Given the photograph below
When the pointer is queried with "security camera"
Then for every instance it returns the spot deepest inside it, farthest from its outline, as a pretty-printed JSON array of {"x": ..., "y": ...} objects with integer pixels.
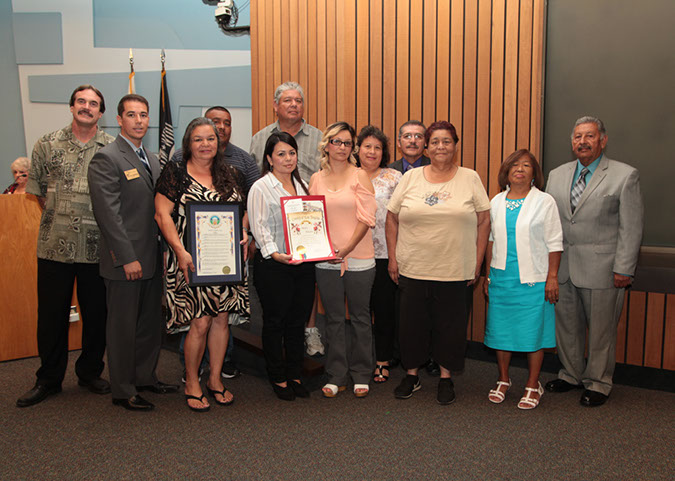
[{"x": 224, "y": 12}]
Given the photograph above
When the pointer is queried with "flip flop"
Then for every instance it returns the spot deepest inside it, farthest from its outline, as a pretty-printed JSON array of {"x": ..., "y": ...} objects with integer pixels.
[{"x": 201, "y": 399}]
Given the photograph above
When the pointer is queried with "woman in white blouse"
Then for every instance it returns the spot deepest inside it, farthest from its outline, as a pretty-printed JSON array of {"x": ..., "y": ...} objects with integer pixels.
[
  {"x": 523, "y": 254},
  {"x": 373, "y": 157},
  {"x": 285, "y": 287}
]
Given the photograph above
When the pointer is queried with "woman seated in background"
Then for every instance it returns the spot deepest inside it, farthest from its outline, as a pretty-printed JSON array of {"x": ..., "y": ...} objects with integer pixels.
[
  {"x": 203, "y": 175},
  {"x": 20, "y": 168},
  {"x": 373, "y": 157},
  {"x": 522, "y": 286},
  {"x": 285, "y": 286},
  {"x": 437, "y": 230},
  {"x": 350, "y": 212}
]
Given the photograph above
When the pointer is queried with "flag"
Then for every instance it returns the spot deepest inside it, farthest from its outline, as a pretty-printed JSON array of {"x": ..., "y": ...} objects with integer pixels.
[
  {"x": 132, "y": 86},
  {"x": 165, "y": 126}
]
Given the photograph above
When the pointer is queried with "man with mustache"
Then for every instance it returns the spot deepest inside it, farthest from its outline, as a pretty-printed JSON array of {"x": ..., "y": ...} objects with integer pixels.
[
  {"x": 411, "y": 144},
  {"x": 289, "y": 106},
  {"x": 601, "y": 212},
  {"x": 67, "y": 249}
]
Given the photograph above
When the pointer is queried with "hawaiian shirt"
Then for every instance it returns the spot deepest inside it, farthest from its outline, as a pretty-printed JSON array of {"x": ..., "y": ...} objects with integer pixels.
[{"x": 58, "y": 172}]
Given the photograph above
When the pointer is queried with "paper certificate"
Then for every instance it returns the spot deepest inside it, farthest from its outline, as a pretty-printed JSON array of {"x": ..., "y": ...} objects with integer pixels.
[
  {"x": 213, "y": 235},
  {"x": 305, "y": 228},
  {"x": 215, "y": 246}
]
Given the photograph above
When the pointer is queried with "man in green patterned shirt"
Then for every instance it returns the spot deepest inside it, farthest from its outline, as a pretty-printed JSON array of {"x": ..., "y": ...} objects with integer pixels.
[{"x": 67, "y": 249}]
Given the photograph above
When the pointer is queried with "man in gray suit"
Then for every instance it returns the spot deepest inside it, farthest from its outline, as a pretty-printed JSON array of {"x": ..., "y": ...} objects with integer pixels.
[
  {"x": 411, "y": 144},
  {"x": 601, "y": 213},
  {"x": 122, "y": 177}
]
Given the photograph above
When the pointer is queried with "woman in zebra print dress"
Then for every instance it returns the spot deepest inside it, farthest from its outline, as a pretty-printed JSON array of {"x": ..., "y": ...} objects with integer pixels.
[{"x": 203, "y": 175}]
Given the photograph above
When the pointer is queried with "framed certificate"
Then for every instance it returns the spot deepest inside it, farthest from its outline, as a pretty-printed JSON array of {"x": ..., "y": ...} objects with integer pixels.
[
  {"x": 305, "y": 228},
  {"x": 213, "y": 235}
]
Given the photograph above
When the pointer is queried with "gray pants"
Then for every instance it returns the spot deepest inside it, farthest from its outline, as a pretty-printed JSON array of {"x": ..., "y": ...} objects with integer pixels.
[
  {"x": 597, "y": 310},
  {"x": 359, "y": 361}
]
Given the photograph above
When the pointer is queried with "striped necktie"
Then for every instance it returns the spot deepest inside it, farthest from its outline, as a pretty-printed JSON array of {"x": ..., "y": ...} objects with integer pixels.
[
  {"x": 144, "y": 159},
  {"x": 578, "y": 188}
]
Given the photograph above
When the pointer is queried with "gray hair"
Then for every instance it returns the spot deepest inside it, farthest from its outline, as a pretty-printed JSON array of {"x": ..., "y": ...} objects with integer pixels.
[
  {"x": 410, "y": 122},
  {"x": 288, "y": 86},
  {"x": 587, "y": 119},
  {"x": 21, "y": 163}
]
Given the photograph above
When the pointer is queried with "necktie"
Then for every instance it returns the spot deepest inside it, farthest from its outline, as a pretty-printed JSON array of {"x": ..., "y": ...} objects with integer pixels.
[
  {"x": 144, "y": 159},
  {"x": 578, "y": 188}
]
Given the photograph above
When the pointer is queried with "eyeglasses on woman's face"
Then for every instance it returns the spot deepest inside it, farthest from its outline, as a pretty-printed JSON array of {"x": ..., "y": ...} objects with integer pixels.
[{"x": 338, "y": 143}]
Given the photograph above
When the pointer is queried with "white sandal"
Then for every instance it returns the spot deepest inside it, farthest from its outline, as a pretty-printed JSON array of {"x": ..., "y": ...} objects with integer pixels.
[
  {"x": 331, "y": 390},
  {"x": 496, "y": 392},
  {"x": 362, "y": 389},
  {"x": 526, "y": 402}
]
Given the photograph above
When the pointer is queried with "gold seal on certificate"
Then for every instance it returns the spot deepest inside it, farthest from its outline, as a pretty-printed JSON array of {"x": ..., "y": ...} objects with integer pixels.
[
  {"x": 305, "y": 228},
  {"x": 214, "y": 235}
]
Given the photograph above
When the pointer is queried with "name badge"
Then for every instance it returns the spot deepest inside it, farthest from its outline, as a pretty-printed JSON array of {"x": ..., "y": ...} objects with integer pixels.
[{"x": 132, "y": 174}]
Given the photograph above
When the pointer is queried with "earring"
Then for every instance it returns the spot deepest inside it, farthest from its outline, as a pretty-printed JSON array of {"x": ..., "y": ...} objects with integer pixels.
[{"x": 271, "y": 167}]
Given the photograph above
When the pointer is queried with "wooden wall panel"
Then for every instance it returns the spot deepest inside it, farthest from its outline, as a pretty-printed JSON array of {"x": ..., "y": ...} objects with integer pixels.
[{"x": 476, "y": 63}]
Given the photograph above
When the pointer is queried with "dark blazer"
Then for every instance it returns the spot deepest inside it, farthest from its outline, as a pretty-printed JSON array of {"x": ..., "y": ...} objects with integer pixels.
[
  {"x": 398, "y": 165},
  {"x": 603, "y": 235},
  {"x": 123, "y": 201}
]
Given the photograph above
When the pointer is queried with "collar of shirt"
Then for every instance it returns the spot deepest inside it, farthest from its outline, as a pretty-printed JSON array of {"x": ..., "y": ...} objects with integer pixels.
[
  {"x": 407, "y": 165},
  {"x": 591, "y": 169},
  {"x": 302, "y": 127},
  {"x": 136, "y": 149},
  {"x": 276, "y": 184}
]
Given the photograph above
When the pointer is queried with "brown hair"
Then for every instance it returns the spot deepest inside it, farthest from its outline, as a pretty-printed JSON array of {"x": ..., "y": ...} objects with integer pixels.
[
  {"x": 503, "y": 177},
  {"x": 93, "y": 89}
]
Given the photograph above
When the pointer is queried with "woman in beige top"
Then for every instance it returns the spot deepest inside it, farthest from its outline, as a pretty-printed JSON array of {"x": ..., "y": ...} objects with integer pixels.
[{"x": 437, "y": 231}]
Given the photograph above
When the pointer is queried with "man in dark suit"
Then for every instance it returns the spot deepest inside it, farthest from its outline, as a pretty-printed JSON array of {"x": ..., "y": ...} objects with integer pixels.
[
  {"x": 601, "y": 213},
  {"x": 122, "y": 177},
  {"x": 411, "y": 144}
]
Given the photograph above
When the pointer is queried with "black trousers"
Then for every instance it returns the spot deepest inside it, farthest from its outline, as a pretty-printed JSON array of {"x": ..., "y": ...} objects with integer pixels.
[
  {"x": 384, "y": 304},
  {"x": 433, "y": 313},
  {"x": 286, "y": 294},
  {"x": 55, "y": 291}
]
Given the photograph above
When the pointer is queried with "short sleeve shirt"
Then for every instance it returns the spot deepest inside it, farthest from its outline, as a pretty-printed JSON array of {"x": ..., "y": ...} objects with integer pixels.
[
  {"x": 68, "y": 230},
  {"x": 384, "y": 185},
  {"x": 437, "y": 225}
]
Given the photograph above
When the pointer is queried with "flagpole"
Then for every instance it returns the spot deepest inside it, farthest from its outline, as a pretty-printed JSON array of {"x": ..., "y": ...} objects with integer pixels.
[{"x": 131, "y": 72}]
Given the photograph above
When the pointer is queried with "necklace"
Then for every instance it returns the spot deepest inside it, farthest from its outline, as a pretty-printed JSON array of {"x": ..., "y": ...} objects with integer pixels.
[{"x": 514, "y": 204}]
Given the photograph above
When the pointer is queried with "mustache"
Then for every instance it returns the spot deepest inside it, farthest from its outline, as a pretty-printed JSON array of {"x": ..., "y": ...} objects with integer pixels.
[
  {"x": 583, "y": 146},
  {"x": 85, "y": 111}
]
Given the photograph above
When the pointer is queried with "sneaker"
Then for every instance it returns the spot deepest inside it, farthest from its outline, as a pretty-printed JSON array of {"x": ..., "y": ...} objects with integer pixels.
[
  {"x": 408, "y": 386},
  {"x": 229, "y": 370},
  {"x": 446, "y": 391},
  {"x": 201, "y": 371},
  {"x": 313, "y": 341}
]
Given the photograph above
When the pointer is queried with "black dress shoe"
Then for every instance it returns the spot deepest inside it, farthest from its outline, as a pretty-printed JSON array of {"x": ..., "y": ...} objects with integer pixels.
[
  {"x": 283, "y": 393},
  {"x": 159, "y": 388},
  {"x": 592, "y": 399},
  {"x": 299, "y": 389},
  {"x": 559, "y": 385},
  {"x": 36, "y": 395},
  {"x": 96, "y": 385},
  {"x": 135, "y": 403}
]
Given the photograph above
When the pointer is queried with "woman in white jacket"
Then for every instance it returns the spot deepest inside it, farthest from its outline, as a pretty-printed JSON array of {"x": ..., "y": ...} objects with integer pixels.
[{"x": 522, "y": 287}]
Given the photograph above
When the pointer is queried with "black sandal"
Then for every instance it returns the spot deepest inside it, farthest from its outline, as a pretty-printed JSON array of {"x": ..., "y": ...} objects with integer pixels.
[
  {"x": 378, "y": 376},
  {"x": 213, "y": 392},
  {"x": 201, "y": 399}
]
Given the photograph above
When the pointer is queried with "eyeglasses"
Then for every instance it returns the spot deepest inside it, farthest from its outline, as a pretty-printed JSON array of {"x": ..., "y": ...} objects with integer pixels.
[
  {"x": 338, "y": 143},
  {"x": 412, "y": 136}
]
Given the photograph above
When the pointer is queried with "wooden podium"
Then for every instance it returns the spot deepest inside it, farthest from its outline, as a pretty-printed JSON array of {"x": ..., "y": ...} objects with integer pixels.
[{"x": 19, "y": 224}]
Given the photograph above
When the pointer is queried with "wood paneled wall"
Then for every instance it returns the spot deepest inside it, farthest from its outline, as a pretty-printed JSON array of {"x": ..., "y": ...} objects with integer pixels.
[{"x": 476, "y": 63}]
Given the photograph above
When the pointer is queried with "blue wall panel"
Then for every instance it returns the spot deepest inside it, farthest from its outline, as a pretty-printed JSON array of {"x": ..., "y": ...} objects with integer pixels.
[
  {"x": 189, "y": 91},
  {"x": 175, "y": 24},
  {"x": 38, "y": 38}
]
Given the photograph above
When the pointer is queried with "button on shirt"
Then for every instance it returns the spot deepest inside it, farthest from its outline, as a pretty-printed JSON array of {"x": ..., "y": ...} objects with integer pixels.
[
  {"x": 58, "y": 172},
  {"x": 264, "y": 214}
]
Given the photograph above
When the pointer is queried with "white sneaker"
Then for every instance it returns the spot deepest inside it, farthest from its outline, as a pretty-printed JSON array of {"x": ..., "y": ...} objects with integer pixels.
[{"x": 313, "y": 341}]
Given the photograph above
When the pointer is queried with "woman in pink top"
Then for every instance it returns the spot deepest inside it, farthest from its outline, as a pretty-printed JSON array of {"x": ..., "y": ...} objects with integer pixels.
[{"x": 350, "y": 212}]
